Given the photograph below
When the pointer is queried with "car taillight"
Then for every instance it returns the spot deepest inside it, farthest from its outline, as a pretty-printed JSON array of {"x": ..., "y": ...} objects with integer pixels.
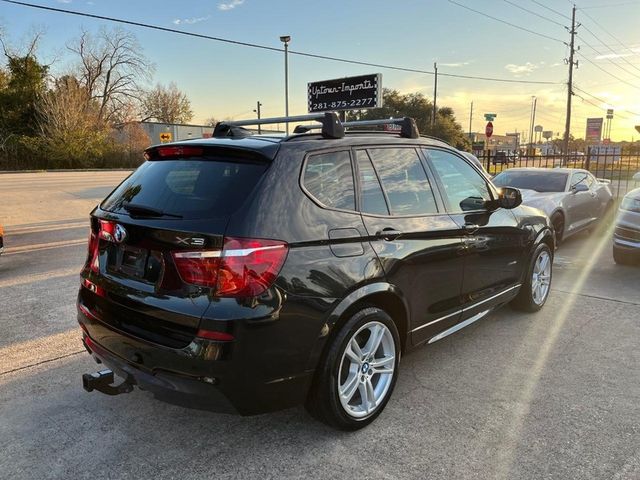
[
  {"x": 179, "y": 151},
  {"x": 93, "y": 252},
  {"x": 243, "y": 268}
]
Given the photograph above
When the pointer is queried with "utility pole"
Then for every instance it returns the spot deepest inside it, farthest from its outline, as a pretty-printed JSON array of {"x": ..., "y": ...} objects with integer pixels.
[
  {"x": 435, "y": 93},
  {"x": 571, "y": 63},
  {"x": 533, "y": 121},
  {"x": 257, "y": 110},
  {"x": 286, "y": 39},
  {"x": 470, "y": 120}
]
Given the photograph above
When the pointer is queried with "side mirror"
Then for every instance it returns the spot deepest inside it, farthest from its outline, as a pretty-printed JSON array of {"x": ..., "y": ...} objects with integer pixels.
[
  {"x": 579, "y": 187},
  {"x": 636, "y": 177},
  {"x": 509, "y": 198}
]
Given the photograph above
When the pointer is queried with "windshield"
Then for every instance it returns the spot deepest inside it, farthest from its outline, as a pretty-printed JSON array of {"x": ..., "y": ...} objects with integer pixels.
[
  {"x": 538, "y": 181},
  {"x": 189, "y": 189}
]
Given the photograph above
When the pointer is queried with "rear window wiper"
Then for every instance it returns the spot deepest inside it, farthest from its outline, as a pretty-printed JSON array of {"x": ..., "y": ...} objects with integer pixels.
[{"x": 144, "y": 211}]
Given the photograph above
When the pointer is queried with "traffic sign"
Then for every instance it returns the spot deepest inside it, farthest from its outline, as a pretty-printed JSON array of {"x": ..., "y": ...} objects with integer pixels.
[
  {"x": 166, "y": 137},
  {"x": 490, "y": 117},
  {"x": 488, "y": 131},
  {"x": 638, "y": 128}
]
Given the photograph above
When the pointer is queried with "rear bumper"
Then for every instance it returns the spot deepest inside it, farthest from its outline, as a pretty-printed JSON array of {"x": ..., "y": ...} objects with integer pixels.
[{"x": 223, "y": 377}]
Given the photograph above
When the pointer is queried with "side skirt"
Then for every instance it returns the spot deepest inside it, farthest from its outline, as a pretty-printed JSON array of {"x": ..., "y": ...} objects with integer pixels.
[{"x": 459, "y": 326}]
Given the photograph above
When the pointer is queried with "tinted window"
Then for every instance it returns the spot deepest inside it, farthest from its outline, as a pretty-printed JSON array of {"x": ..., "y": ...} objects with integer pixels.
[
  {"x": 194, "y": 188},
  {"x": 464, "y": 187},
  {"x": 582, "y": 177},
  {"x": 371, "y": 198},
  {"x": 404, "y": 181},
  {"x": 541, "y": 181},
  {"x": 329, "y": 178}
]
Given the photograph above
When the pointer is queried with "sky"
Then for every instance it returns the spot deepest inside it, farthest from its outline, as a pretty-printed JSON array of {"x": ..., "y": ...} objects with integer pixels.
[{"x": 225, "y": 81}]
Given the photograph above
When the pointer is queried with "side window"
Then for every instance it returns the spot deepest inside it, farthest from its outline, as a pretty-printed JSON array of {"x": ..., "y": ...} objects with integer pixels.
[
  {"x": 464, "y": 187},
  {"x": 329, "y": 178},
  {"x": 404, "y": 181},
  {"x": 579, "y": 177},
  {"x": 371, "y": 198}
]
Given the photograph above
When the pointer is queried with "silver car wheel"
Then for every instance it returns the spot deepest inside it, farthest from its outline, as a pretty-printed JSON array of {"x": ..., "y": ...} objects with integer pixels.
[
  {"x": 366, "y": 369},
  {"x": 541, "y": 278}
]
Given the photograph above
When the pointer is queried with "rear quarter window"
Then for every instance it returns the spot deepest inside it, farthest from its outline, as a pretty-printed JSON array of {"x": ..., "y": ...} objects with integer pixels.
[
  {"x": 328, "y": 177},
  {"x": 191, "y": 188}
]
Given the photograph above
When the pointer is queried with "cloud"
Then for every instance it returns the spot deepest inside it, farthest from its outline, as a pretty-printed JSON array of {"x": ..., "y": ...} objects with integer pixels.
[
  {"x": 65, "y": 1},
  {"x": 230, "y": 5},
  {"x": 613, "y": 55},
  {"x": 521, "y": 69},
  {"x": 190, "y": 21},
  {"x": 453, "y": 65}
]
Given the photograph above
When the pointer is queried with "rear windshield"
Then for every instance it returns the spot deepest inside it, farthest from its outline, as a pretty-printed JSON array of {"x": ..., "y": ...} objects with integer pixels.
[
  {"x": 194, "y": 188},
  {"x": 538, "y": 181}
]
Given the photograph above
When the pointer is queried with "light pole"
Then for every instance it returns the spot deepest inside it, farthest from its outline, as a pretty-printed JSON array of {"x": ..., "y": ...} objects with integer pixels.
[
  {"x": 286, "y": 39},
  {"x": 257, "y": 110}
]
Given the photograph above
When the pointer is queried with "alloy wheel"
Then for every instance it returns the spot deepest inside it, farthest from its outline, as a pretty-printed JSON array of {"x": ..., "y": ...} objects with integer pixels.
[
  {"x": 541, "y": 278},
  {"x": 366, "y": 369}
]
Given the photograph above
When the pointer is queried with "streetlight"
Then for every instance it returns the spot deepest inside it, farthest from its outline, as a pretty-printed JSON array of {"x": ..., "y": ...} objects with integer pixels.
[
  {"x": 257, "y": 110},
  {"x": 286, "y": 39}
]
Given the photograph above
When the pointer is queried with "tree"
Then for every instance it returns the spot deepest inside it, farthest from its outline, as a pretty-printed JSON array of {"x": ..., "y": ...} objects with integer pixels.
[
  {"x": 166, "y": 104},
  {"x": 70, "y": 125},
  {"x": 417, "y": 106},
  {"x": 24, "y": 83},
  {"x": 111, "y": 69}
]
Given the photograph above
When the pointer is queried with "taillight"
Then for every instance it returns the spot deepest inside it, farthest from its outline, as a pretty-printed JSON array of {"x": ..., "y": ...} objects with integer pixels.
[
  {"x": 93, "y": 255},
  {"x": 243, "y": 268}
]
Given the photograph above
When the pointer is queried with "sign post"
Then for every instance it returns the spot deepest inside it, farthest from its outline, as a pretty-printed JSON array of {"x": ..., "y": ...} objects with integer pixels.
[{"x": 349, "y": 93}]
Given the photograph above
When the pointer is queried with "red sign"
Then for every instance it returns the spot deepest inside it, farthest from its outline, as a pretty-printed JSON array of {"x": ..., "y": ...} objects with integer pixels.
[{"x": 488, "y": 131}]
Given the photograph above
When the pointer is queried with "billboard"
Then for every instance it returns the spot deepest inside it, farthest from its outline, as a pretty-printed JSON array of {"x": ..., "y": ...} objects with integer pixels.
[
  {"x": 349, "y": 93},
  {"x": 594, "y": 130}
]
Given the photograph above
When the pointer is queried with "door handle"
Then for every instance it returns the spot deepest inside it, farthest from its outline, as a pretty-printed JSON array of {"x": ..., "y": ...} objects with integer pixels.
[
  {"x": 471, "y": 227},
  {"x": 388, "y": 233}
]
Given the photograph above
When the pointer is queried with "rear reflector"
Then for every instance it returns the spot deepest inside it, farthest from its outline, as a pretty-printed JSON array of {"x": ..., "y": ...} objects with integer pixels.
[
  {"x": 243, "y": 268},
  {"x": 211, "y": 335}
]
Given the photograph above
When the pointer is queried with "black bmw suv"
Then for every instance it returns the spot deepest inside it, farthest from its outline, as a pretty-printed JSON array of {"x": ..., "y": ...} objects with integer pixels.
[{"x": 248, "y": 273}]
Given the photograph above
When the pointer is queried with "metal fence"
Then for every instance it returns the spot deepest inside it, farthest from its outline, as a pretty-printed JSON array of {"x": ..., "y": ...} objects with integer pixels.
[{"x": 619, "y": 169}]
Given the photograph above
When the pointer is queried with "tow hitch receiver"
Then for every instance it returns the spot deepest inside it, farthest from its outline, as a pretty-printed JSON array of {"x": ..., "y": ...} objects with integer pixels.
[{"x": 102, "y": 381}]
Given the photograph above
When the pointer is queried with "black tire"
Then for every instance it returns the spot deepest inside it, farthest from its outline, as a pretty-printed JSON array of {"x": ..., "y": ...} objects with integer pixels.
[
  {"x": 525, "y": 300},
  {"x": 323, "y": 402},
  {"x": 557, "y": 222},
  {"x": 623, "y": 257}
]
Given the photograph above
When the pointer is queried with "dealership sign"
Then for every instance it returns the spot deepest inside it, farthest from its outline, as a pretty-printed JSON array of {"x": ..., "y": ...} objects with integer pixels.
[
  {"x": 594, "y": 130},
  {"x": 350, "y": 93}
]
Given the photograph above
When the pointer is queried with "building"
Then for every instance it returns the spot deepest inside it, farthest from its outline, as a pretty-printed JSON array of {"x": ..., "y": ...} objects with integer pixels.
[
  {"x": 497, "y": 142},
  {"x": 172, "y": 132}
]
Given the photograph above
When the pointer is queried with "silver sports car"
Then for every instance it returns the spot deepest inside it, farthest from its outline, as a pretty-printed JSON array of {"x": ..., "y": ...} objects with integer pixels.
[
  {"x": 572, "y": 198},
  {"x": 626, "y": 236}
]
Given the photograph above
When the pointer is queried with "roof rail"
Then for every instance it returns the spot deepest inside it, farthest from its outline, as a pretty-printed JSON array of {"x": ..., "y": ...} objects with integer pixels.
[
  {"x": 408, "y": 129},
  {"x": 329, "y": 123}
]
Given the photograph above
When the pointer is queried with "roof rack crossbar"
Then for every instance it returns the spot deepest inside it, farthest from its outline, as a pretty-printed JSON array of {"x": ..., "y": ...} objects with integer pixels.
[
  {"x": 329, "y": 122},
  {"x": 408, "y": 129}
]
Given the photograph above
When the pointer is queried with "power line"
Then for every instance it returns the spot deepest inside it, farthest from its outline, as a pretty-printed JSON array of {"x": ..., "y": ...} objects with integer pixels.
[
  {"x": 502, "y": 21},
  {"x": 551, "y": 9},
  {"x": 607, "y": 5},
  {"x": 613, "y": 63},
  {"x": 612, "y": 36},
  {"x": 532, "y": 12},
  {"x": 606, "y": 71},
  {"x": 273, "y": 49},
  {"x": 604, "y": 101}
]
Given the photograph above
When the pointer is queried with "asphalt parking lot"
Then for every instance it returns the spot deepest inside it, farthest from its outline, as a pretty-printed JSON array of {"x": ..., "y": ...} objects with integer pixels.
[{"x": 550, "y": 395}]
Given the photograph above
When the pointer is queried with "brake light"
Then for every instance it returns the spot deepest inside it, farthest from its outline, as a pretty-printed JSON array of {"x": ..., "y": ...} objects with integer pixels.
[
  {"x": 179, "y": 151},
  {"x": 93, "y": 255},
  {"x": 243, "y": 268}
]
